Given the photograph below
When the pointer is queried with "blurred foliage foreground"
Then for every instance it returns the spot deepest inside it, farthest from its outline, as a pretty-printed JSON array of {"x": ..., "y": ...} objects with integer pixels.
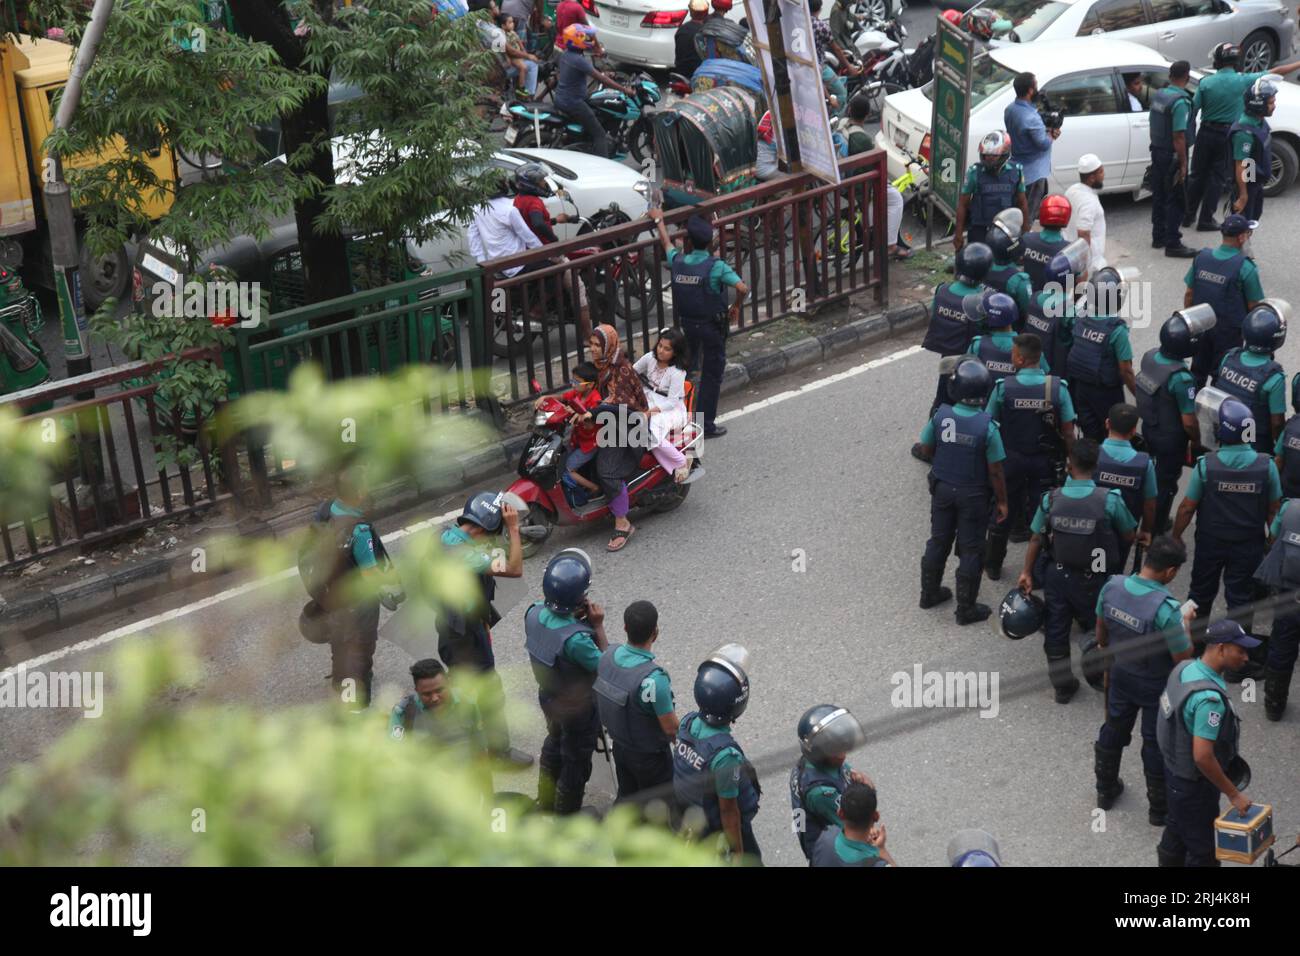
[{"x": 166, "y": 776}]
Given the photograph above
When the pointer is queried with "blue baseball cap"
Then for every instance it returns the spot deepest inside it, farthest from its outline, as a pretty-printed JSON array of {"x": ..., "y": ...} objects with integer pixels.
[
  {"x": 699, "y": 229},
  {"x": 1236, "y": 224},
  {"x": 1229, "y": 632}
]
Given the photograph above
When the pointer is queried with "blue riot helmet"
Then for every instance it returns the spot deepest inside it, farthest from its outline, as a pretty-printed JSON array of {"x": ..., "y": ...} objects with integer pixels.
[
  {"x": 1003, "y": 235},
  {"x": 829, "y": 731},
  {"x": 1020, "y": 614},
  {"x": 1000, "y": 311},
  {"x": 973, "y": 262},
  {"x": 722, "y": 685},
  {"x": 1180, "y": 336},
  {"x": 484, "y": 510},
  {"x": 1264, "y": 328},
  {"x": 970, "y": 382},
  {"x": 1235, "y": 420},
  {"x": 1093, "y": 663},
  {"x": 1257, "y": 95},
  {"x": 1068, "y": 265},
  {"x": 1105, "y": 291},
  {"x": 565, "y": 580},
  {"x": 973, "y": 848}
]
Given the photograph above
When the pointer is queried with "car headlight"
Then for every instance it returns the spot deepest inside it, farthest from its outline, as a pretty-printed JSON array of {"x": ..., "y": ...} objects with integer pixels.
[{"x": 642, "y": 188}]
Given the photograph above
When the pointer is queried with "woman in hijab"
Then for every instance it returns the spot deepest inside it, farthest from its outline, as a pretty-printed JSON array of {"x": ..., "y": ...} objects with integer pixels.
[{"x": 621, "y": 395}]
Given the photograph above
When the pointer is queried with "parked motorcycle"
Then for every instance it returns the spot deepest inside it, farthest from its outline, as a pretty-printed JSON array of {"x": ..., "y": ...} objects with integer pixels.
[
  {"x": 552, "y": 501},
  {"x": 22, "y": 362},
  {"x": 625, "y": 119}
]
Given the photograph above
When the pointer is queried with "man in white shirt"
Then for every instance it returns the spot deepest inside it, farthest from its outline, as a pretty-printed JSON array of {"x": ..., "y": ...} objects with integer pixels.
[
  {"x": 498, "y": 230},
  {"x": 1088, "y": 218}
]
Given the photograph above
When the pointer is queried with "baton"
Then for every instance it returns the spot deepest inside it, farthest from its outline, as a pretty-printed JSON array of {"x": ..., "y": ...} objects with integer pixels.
[
  {"x": 1137, "y": 559},
  {"x": 608, "y": 759}
]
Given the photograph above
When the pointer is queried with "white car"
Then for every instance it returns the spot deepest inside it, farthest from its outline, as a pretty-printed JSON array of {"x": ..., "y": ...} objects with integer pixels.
[
  {"x": 643, "y": 32},
  {"x": 1085, "y": 78}
]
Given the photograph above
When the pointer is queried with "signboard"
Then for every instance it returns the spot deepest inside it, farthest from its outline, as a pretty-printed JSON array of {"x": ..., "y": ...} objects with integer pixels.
[
  {"x": 812, "y": 123},
  {"x": 950, "y": 119},
  {"x": 758, "y": 34}
]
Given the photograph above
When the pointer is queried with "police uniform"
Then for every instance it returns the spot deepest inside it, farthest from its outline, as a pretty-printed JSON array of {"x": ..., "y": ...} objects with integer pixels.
[
  {"x": 1121, "y": 466},
  {"x": 1250, "y": 139},
  {"x": 632, "y": 691},
  {"x": 950, "y": 331},
  {"x": 814, "y": 800},
  {"x": 1233, "y": 488},
  {"x": 1287, "y": 449},
  {"x": 1195, "y": 703},
  {"x": 1226, "y": 279},
  {"x": 1009, "y": 278},
  {"x": 1218, "y": 99},
  {"x": 833, "y": 848},
  {"x": 708, "y": 763},
  {"x": 700, "y": 304},
  {"x": 564, "y": 658},
  {"x": 1165, "y": 392},
  {"x": 1028, "y": 408},
  {"x": 454, "y": 723},
  {"x": 990, "y": 193},
  {"x": 352, "y": 647},
  {"x": 1171, "y": 112},
  {"x": 994, "y": 350},
  {"x": 1281, "y": 570},
  {"x": 1097, "y": 346},
  {"x": 1134, "y": 609},
  {"x": 1257, "y": 381},
  {"x": 1036, "y": 250},
  {"x": 1083, "y": 523}
]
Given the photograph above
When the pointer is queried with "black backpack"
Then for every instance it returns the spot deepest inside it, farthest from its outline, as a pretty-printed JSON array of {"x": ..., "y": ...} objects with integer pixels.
[{"x": 326, "y": 552}]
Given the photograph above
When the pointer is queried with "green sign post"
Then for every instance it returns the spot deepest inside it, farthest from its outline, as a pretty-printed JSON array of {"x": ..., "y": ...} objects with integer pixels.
[{"x": 950, "y": 120}]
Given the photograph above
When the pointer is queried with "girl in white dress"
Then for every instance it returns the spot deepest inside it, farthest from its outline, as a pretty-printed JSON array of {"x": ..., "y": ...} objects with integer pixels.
[{"x": 663, "y": 372}]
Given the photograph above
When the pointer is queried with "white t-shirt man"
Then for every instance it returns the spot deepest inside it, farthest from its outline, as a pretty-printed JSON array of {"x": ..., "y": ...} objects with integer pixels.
[{"x": 1087, "y": 214}]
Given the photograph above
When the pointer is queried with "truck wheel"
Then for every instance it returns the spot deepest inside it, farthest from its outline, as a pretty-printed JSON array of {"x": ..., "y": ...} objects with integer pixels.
[{"x": 103, "y": 276}]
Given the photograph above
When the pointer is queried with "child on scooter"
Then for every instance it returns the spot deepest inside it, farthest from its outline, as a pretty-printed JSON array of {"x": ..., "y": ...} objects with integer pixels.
[{"x": 582, "y": 398}]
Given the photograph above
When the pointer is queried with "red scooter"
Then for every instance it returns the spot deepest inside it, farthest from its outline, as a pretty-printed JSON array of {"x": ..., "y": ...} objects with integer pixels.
[{"x": 550, "y": 503}]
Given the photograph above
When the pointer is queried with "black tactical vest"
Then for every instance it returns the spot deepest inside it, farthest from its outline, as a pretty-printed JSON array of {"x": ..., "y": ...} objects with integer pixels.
[
  {"x": 1162, "y": 422},
  {"x": 1081, "y": 532},
  {"x": 1234, "y": 501},
  {"x": 618, "y": 691}
]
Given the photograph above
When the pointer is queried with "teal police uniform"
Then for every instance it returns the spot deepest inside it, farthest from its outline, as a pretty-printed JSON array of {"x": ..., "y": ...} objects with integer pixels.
[{"x": 1219, "y": 101}]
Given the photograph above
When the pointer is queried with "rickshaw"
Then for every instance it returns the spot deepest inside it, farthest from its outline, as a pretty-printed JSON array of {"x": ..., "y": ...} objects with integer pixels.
[{"x": 707, "y": 144}]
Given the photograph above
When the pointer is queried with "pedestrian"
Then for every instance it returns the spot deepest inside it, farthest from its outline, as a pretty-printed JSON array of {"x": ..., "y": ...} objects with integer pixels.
[
  {"x": 714, "y": 782},
  {"x": 686, "y": 60},
  {"x": 1281, "y": 570},
  {"x": 1035, "y": 416},
  {"x": 1099, "y": 366},
  {"x": 1051, "y": 312},
  {"x": 1088, "y": 219},
  {"x": 1199, "y": 732},
  {"x": 1120, "y": 465},
  {"x": 995, "y": 183},
  {"x": 1254, "y": 377},
  {"x": 1219, "y": 101},
  {"x": 1082, "y": 525},
  {"x": 1003, "y": 237},
  {"x": 1233, "y": 493},
  {"x": 859, "y": 840},
  {"x": 999, "y": 316},
  {"x": 1131, "y": 611},
  {"x": 564, "y": 635},
  {"x": 1166, "y": 402},
  {"x": 952, "y": 328},
  {"x": 1037, "y": 249},
  {"x": 465, "y": 630},
  {"x": 700, "y": 305},
  {"x": 623, "y": 431},
  {"x": 1228, "y": 281},
  {"x": 1287, "y": 449},
  {"x": 1173, "y": 129},
  {"x": 827, "y": 734},
  {"x": 1031, "y": 141},
  {"x": 1249, "y": 145},
  {"x": 635, "y": 699},
  {"x": 966, "y": 448}
]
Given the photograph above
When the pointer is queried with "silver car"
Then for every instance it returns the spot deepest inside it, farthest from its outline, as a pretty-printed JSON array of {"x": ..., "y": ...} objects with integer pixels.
[{"x": 1178, "y": 29}]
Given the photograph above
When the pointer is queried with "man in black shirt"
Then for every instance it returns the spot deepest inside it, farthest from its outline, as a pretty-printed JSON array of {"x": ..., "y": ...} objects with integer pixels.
[{"x": 688, "y": 61}]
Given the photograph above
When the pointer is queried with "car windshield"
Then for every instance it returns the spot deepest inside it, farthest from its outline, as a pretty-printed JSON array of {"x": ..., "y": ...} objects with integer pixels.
[
  {"x": 1029, "y": 17},
  {"x": 988, "y": 77}
]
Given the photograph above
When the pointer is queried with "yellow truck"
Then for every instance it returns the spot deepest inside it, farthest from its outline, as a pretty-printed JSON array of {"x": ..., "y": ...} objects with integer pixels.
[{"x": 32, "y": 71}]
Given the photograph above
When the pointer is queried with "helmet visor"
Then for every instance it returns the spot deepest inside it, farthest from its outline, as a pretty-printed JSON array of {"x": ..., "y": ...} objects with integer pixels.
[
  {"x": 735, "y": 658},
  {"x": 1198, "y": 318},
  {"x": 1281, "y": 307},
  {"x": 839, "y": 732},
  {"x": 1011, "y": 221}
]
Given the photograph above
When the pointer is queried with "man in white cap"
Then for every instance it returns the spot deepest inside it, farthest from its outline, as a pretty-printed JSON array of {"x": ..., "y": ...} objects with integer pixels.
[{"x": 1088, "y": 218}]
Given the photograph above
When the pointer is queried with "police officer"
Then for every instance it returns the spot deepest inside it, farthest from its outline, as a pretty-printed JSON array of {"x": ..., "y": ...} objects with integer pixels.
[
  {"x": 436, "y": 711},
  {"x": 1198, "y": 732},
  {"x": 995, "y": 183},
  {"x": 1051, "y": 308},
  {"x": 1281, "y": 571},
  {"x": 1100, "y": 364},
  {"x": 1037, "y": 249},
  {"x": 1227, "y": 280},
  {"x": 635, "y": 700},
  {"x": 712, "y": 778},
  {"x": 1253, "y": 377},
  {"x": 1252, "y": 154},
  {"x": 1120, "y": 465},
  {"x": 1166, "y": 402},
  {"x": 565, "y": 636},
  {"x": 967, "y": 453},
  {"x": 1287, "y": 448},
  {"x": 1173, "y": 130},
  {"x": 1083, "y": 526},
  {"x": 859, "y": 840},
  {"x": 1035, "y": 418},
  {"x": 1219, "y": 101},
  {"x": 465, "y": 633},
  {"x": 951, "y": 327},
  {"x": 1131, "y": 612},
  {"x": 1003, "y": 237},
  {"x": 827, "y": 734},
  {"x": 998, "y": 314},
  {"x": 1233, "y": 493},
  {"x": 700, "y": 305}
]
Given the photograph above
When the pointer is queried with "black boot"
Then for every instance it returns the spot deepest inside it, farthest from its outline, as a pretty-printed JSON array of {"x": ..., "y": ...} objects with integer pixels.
[
  {"x": 567, "y": 801},
  {"x": 1157, "y": 801},
  {"x": 933, "y": 593},
  {"x": 1062, "y": 677},
  {"x": 969, "y": 611},
  {"x": 994, "y": 554},
  {"x": 1277, "y": 687},
  {"x": 1106, "y": 767},
  {"x": 1165, "y": 858},
  {"x": 545, "y": 792}
]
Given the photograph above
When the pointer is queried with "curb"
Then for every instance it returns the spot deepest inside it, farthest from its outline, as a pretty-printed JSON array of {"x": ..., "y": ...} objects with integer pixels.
[{"x": 114, "y": 589}]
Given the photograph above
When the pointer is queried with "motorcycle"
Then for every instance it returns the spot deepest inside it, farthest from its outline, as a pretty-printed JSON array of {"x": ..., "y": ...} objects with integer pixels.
[
  {"x": 23, "y": 363},
  {"x": 553, "y": 502},
  {"x": 625, "y": 119}
]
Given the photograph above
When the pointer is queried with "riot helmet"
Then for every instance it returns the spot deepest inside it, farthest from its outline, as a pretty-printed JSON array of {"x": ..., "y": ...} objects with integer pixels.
[
  {"x": 722, "y": 685},
  {"x": 1003, "y": 235},
  {"x": 565, "y": 580},
  {"x": 484, "y": 510},
  {"x": 1180, "y": 336},
  {"x": 1020, "y": 614},
  {"x": 973, "y": 262},
  {"x": 827, "y": 731},
  {"x": 1264, "y": 328},
  {"x": 1236, "y": 423},
  {"x": 970, "y": 381}
]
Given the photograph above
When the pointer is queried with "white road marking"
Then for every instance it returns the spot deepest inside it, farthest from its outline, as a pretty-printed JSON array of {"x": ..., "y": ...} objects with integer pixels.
[{"x": 175, "y": 613}]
